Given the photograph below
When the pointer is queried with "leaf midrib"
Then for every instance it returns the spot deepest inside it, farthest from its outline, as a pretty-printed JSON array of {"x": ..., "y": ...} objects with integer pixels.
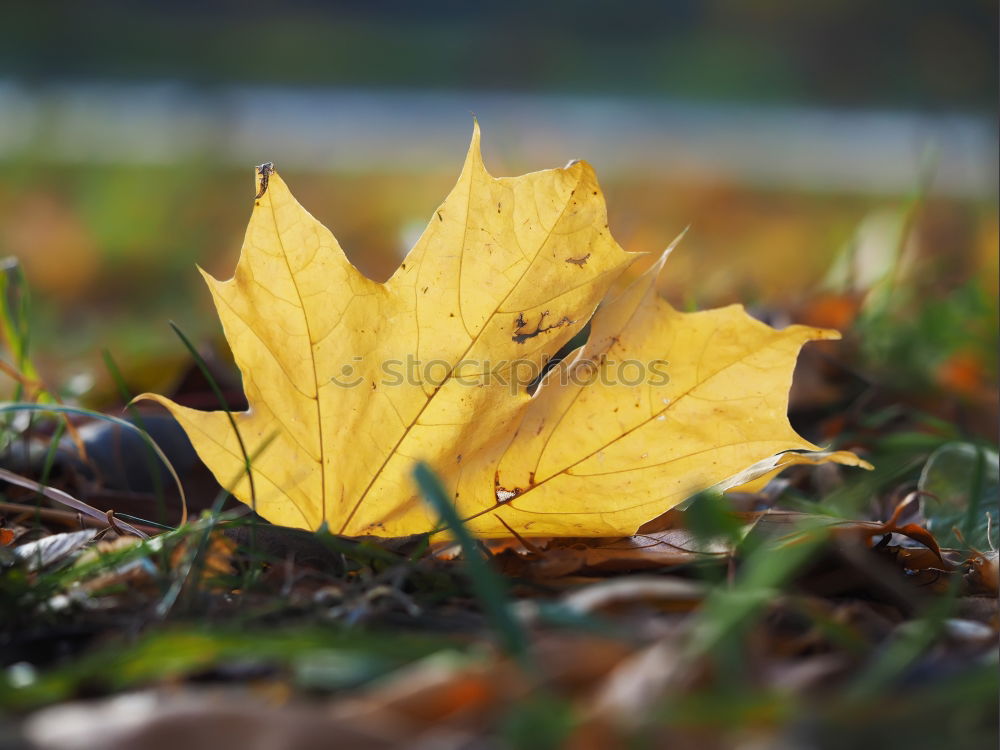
[
  {"x": 408, "y": 428},
  {"x": 312, "y": 362}
]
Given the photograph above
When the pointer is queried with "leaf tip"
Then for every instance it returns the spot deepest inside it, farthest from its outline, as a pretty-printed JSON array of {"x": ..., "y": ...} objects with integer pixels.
[
  {"x": 826, "y": 334},
  {"x": 214, "y": 285},
  {"x": 475, "y": 145},
  {"x": 811, "y": 333},
  {"x": 161, "y": 400},
  {"x": 676, "y": 241}
]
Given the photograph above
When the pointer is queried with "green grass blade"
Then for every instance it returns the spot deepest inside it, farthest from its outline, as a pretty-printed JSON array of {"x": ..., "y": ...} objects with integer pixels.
[
  {"x": 200, "y": 361},
  {"x": 194, "y": 564},
  {"x": 9, "y": 407},
  {"x": 487, "y": 584}
]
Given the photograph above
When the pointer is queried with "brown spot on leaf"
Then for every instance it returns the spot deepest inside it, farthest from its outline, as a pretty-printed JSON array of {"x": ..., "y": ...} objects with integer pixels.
[{"x": 521, "y": 336}]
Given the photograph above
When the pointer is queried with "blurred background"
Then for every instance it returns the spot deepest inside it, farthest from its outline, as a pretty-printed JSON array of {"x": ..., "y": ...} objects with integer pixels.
[{"x": 836, "y": 160}]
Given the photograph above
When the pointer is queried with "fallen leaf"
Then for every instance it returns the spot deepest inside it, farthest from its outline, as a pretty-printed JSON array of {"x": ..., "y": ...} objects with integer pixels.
[
  {"x": 983, "y": 576},
  {"x": 200, "y": 718},
  {"x": 787, "y": 526},
  {"x": 679, "y": 592},
  {"x": 969, "y": 632},
  {"x": 102, "y": 548},
  {"x": 588, "y": 555},
  {"x": 216, "y": 557},
  {"x": 637, "y": 684},
  {"x": 136, "y": 574},
  {"x": 350, "y": 381},
  {"x": 441, "y": 688},
  {"x": 51, "y": 549}
]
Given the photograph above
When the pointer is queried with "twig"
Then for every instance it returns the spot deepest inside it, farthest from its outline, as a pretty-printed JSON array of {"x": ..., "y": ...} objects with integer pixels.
[{"x": 67, "y": 518}]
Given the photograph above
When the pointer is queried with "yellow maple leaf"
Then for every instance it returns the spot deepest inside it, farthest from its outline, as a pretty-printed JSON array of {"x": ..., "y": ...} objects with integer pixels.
[{"x": 350, "y": 381}]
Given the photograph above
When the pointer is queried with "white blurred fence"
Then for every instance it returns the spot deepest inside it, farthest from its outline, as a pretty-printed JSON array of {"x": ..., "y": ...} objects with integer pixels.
[{"x": 322, "y": 129}]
